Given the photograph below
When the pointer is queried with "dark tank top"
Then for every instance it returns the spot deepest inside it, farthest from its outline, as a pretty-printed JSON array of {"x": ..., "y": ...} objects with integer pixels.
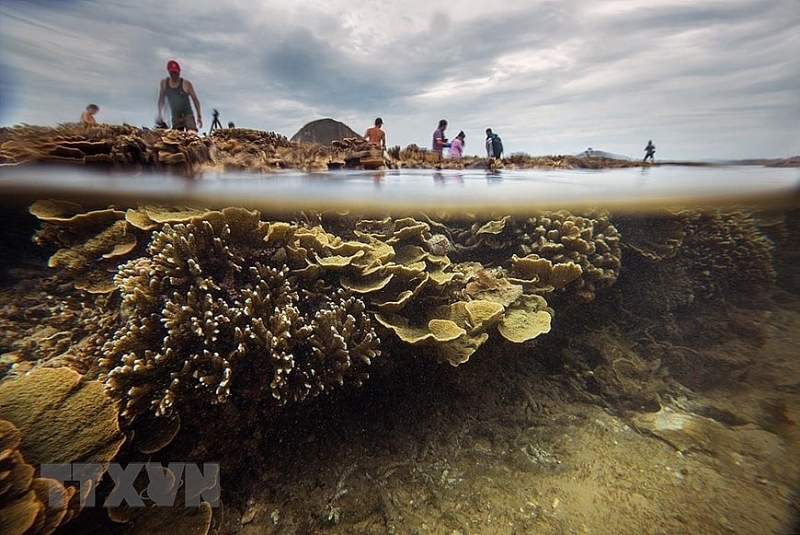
[{"x": 178, "y": 99}]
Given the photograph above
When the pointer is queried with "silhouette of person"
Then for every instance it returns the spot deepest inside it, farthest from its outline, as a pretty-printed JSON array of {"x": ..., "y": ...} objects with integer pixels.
[{"x": 649, "y": 151}]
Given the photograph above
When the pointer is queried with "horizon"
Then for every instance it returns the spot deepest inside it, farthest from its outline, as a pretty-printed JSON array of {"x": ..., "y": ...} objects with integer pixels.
[{"x": 708, "y": 81}]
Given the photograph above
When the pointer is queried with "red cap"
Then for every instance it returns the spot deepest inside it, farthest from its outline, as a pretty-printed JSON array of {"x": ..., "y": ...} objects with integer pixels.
[{"x": 173, "y": 66}]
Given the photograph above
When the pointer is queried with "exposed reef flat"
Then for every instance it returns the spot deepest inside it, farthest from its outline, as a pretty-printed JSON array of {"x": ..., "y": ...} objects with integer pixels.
[{"x": 243, "y": 149}]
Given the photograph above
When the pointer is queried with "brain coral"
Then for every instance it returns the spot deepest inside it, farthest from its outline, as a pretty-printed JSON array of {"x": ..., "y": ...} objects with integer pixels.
[{"x": 216, "y": 303}]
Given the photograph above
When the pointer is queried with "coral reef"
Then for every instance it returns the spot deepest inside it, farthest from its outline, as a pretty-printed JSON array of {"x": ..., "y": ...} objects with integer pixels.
[
  {"x": 28, "y": 505},
  {"x": 685, "y": 256},
  {"x": 89, "y": 243},
  {"x": 221, "y": 303},
  {"x": 62, "y": 417},
  {"x": 590, "y": 242},
  {"x": 220, "y": 297},
  {"x": 240, "y": 149},
  {"x": 51, "y": 416},
  {"x": 215, "y": 305},
  {"x": 217, "y": 314},
  {"x": 73, "y": 143},
  {"x": 130, "y": 147},
  {"x": 224, "y": 303},
  {"x": 46, "y": 321},
  {"x": 725, "y": 251},
  {"x": 357, "y": 152}
]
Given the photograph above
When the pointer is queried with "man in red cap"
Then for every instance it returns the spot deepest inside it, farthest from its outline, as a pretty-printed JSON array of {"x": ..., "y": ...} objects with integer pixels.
[{"x": 177, "y": 91}]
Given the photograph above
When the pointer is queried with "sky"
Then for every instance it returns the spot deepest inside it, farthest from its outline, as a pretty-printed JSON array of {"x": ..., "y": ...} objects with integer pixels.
[{"x": 702, "y": 79}]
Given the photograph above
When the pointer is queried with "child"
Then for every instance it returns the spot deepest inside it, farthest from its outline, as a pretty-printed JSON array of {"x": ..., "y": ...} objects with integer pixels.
[
  {"x": 87, "y": 117},
  {"x": 457, "y": 146}
]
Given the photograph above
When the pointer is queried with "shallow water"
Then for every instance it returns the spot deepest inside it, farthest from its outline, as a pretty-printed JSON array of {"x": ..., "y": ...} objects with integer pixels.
[
  {"x": 567, "y": 433},
  {"x": 629, "y": 189}
]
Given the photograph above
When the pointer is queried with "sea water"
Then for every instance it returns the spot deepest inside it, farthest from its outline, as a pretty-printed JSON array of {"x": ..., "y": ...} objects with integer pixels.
[
  {"x": 530, "y": 440},
  {"x": 628, "y": 189}
]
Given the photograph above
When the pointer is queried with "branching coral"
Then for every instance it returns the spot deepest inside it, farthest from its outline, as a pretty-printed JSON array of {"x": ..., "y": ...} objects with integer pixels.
[
  {"x": 725, "y": 252},
  {"x": 696, "y": 255},
  {"x": 216, "y": 306}
]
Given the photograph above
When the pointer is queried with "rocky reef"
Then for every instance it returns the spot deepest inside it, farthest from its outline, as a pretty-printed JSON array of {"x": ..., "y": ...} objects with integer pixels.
[{"x": 239, "y": 149}]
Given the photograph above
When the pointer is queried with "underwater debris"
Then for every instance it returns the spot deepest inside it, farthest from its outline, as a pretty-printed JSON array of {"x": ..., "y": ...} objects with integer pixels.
[{"x": 685, "y": 431}]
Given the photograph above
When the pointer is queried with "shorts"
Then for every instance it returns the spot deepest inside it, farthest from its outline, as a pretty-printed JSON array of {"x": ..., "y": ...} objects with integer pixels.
[{"x": 184, "y": 122}]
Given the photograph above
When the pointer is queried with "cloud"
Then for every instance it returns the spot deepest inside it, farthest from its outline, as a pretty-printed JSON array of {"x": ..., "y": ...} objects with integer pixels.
[{"x": 704, "y": 80}]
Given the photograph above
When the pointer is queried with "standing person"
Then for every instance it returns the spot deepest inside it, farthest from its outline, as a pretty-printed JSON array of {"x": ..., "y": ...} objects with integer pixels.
[
  {"x": 494, "y": 145},
  {"x": 87, "y": 117},
  {"x": 649, "y": 152},
  {"x": 439, "y": 141},
  {"x": 177, "y": 92},
  {"x": 457, "y": 146},
  {"x": 376, "y": 136}
]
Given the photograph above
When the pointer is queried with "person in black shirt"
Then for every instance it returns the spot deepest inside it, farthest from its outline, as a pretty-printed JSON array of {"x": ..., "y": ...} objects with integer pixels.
[{"x": 649, "y": 152}]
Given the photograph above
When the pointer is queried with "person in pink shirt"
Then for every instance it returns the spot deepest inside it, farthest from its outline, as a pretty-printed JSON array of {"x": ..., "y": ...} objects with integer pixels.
[{"x": 457, "y": 146}]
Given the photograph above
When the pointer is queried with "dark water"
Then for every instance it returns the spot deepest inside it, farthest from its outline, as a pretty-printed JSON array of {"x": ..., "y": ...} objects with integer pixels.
[{"x": 665, "y": 402}]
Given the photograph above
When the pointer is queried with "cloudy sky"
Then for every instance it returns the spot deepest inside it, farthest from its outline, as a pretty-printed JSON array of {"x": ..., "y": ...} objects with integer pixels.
[{"x": 703, "y": 79}]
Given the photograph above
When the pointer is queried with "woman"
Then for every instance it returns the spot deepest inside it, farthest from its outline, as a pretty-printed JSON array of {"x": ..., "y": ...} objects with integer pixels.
[{"x": 457, "y": 146}]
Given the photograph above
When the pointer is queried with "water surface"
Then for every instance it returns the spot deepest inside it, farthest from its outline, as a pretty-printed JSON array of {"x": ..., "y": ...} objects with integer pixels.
[{"x": 630, "y": 189}]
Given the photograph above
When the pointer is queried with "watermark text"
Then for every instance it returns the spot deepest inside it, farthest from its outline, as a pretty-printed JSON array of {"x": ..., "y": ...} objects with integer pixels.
[{"x": 140, "y": 484}]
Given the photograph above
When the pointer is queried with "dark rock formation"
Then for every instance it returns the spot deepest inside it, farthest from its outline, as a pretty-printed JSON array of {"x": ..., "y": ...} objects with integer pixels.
[{"x": 323, "y": 131}]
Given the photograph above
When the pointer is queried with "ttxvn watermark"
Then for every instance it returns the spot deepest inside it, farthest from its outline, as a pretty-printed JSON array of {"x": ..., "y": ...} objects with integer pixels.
[{"x": 136, "y": 484}]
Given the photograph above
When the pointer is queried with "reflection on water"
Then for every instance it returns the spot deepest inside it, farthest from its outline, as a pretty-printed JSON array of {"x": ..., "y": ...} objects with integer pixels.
[
  {"x": 476, "y": 353},
  {"x": 494, "y": 176},
  {"x": 452, "y": 177},
  {"x": 378, "y": 177}
]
